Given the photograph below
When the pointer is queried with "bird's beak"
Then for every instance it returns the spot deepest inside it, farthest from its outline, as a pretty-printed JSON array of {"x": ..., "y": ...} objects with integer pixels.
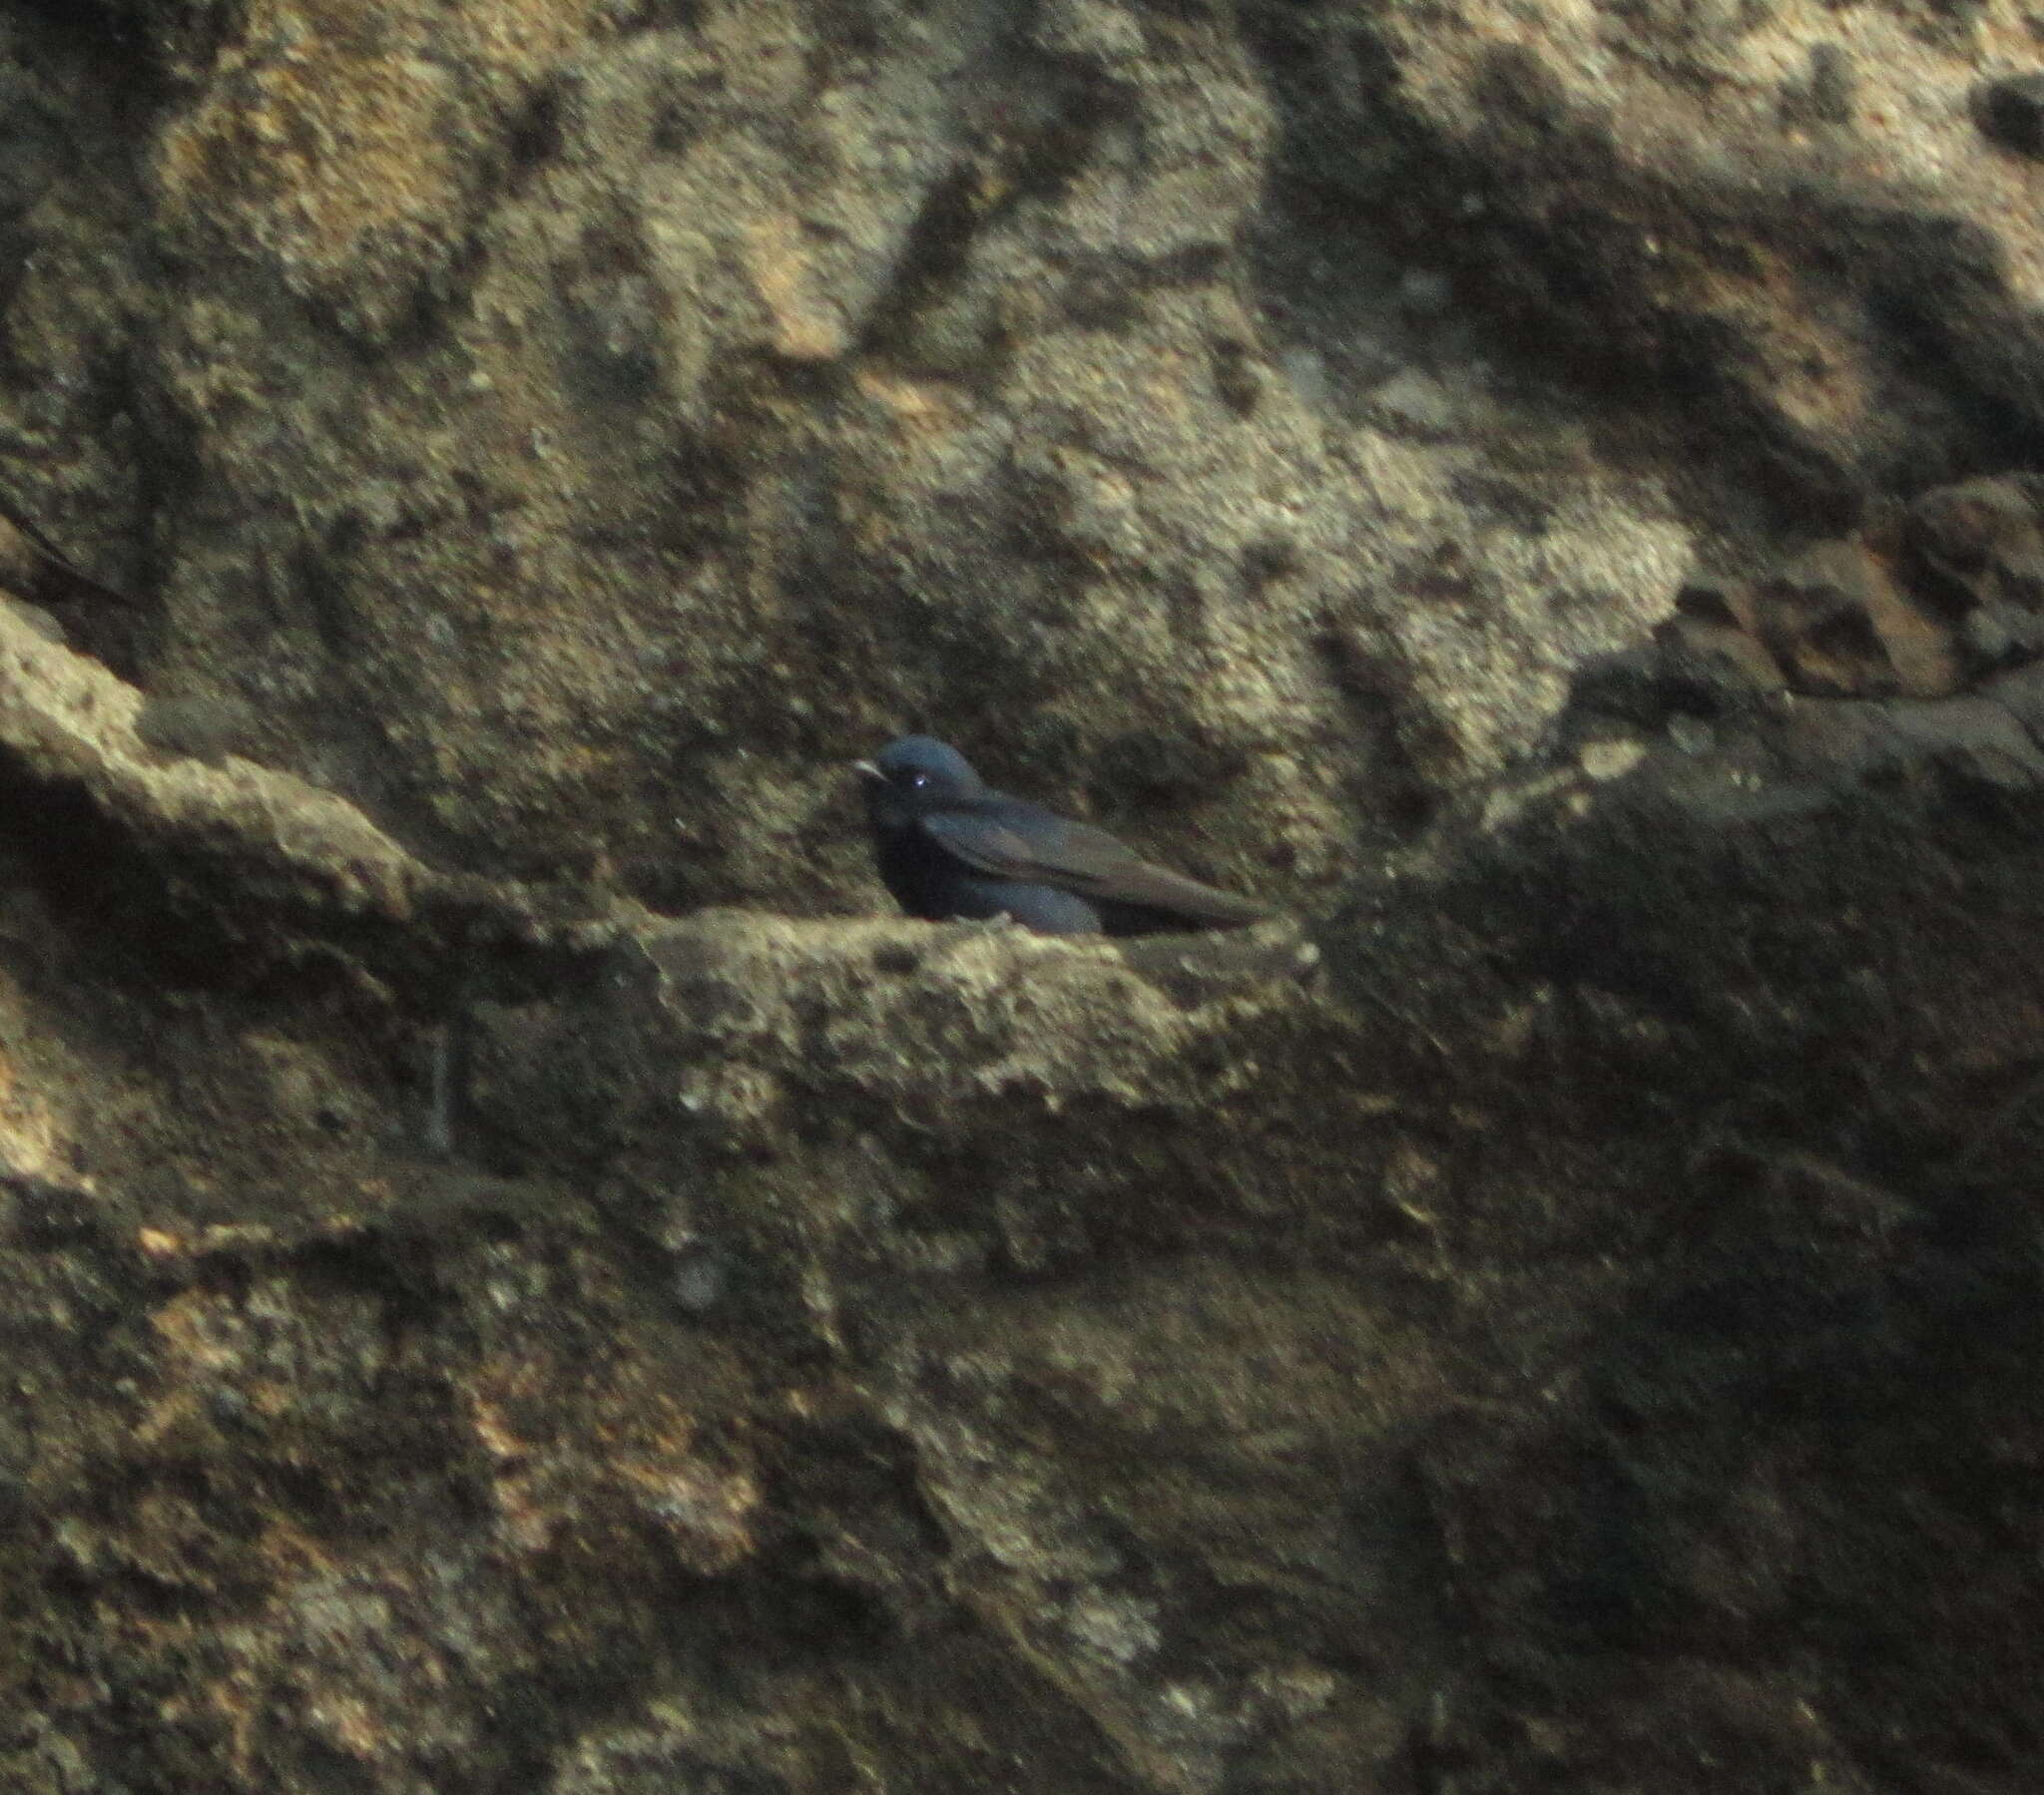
[{"x": 865, "y": 769}]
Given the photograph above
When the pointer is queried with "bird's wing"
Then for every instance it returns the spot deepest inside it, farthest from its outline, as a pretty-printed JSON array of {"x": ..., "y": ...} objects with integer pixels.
[
  {"x": 54, "y": 578},
  {"x": 1014, "y": 840}
]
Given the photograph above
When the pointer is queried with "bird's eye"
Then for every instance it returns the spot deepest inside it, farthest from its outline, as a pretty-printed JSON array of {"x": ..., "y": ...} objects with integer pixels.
[{"x": 918, "y": 778}]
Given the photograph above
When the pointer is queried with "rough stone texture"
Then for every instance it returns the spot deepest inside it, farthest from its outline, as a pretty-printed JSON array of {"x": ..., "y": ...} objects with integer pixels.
[{"x": 517, "y": 1277}]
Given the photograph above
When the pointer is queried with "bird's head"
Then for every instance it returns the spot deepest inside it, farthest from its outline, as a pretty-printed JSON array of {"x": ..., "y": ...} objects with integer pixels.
[{"x": 913, "y": 776}]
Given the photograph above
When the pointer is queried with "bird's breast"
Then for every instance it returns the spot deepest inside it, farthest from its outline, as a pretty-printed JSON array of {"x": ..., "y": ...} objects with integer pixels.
[{"x": 913, "y": 868}]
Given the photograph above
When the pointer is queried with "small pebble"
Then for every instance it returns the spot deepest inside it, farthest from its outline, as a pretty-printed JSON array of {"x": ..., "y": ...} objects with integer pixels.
[
  {"x": 1424, "y": 293},
  {"x": 1414, "y": 401},
  {"x": 702, "y": 1276},
  {"x": 1831, "y": 85},
  {"x": 38, "y": 620},
  {"x": 205, "y": 727},
  {"x": 2011, "y": 112}
]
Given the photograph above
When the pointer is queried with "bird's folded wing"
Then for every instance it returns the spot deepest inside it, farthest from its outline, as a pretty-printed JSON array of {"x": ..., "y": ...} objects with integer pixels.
[
  {"x": 55, "y": 579},
  {"x": 1046, "y": 849}
]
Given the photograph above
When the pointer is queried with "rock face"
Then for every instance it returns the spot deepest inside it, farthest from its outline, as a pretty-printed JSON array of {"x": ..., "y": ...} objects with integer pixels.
[{"x": 519, "y": 1276}]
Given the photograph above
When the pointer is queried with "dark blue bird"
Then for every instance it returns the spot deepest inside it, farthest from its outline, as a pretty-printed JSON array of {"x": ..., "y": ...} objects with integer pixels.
[{"x": 949, "y": 848}]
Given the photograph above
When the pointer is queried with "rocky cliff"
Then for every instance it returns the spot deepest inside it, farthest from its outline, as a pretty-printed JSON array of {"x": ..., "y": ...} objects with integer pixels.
[{"x": 521, "y": 1276}]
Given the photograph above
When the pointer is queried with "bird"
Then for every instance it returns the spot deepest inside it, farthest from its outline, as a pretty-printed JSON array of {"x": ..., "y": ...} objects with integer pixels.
[{"x": 951, "y": 848}]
